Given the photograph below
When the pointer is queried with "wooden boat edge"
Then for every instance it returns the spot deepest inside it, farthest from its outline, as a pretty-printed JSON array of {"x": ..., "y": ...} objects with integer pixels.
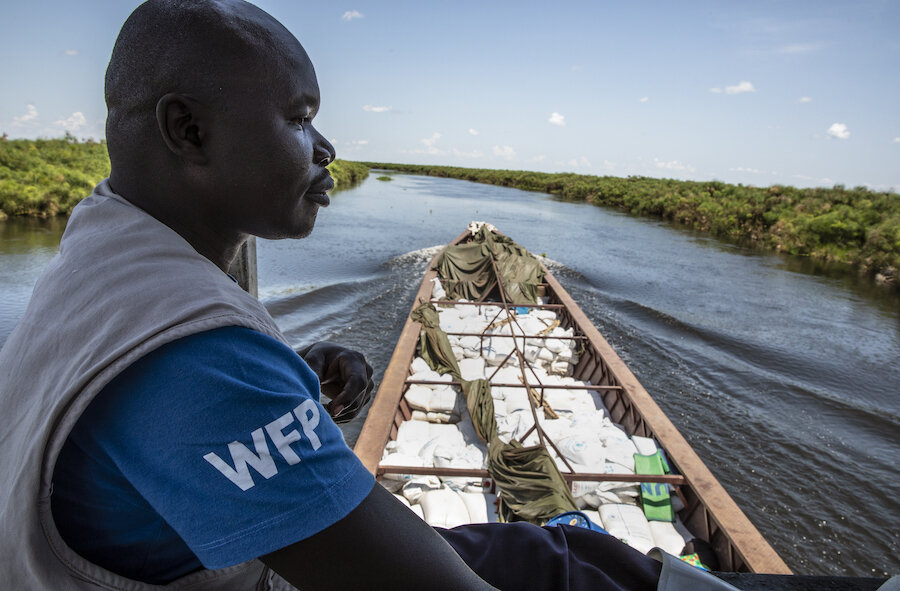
[
  {"x": 381, "y": 418},
  {"x": 753, "y": 549}
]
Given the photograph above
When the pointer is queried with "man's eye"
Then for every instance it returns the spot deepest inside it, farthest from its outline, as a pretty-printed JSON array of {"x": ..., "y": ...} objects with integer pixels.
[{"x": 302, "y": 121}]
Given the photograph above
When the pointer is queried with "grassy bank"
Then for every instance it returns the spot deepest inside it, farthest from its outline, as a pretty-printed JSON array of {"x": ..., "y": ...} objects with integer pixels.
[
  {"x": 346, "y": 174},
  {"x": 45, "y": 178},
  {"x": 855, "y": 226}
]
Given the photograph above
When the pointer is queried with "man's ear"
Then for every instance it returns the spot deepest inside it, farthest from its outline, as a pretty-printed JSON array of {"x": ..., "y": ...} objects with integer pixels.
[{"x": 182, "y": 126}]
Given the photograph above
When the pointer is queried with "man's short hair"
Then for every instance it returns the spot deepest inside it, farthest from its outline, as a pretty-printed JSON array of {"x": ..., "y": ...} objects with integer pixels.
[{"x": 190, "y": 46}]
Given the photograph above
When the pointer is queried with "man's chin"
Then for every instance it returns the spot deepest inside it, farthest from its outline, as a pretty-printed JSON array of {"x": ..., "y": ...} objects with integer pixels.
[{"x": 300, "y": 229}]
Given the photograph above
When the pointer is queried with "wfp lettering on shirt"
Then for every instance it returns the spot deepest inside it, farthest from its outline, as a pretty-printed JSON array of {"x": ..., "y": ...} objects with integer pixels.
[{"x": 306, "y": 413}]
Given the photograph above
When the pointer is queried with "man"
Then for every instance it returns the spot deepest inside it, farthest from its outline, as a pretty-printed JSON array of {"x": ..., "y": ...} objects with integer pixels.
[{"x": 160, "y": 425}]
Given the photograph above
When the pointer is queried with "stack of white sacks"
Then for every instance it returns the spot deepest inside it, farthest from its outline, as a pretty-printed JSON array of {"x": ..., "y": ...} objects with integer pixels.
[{"x": 440, "y": 433}]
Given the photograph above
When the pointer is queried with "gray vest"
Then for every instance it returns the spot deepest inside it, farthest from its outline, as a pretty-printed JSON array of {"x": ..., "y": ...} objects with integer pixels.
[{"x": 122, "y": 285}]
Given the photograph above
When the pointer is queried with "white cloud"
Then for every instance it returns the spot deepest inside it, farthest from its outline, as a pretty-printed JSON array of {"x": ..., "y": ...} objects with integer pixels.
[
  {"x": 431, "y": 149},
  {"x": 353, "y": 145},
  {"x": 742, "y": 86},
  {"x": 716, "y": 90},
  {"x": 539, "y": 158},
  {"x": 473, "y": 131},
  {"x": 820, "y": 181},
  {"x": 581, "y": 162},
  {"x": 673, "y": 165},
  {"x": 610, "y": 166},
  {"x": 839, "y": 131},
  {"x": 472, "y": 154},
  {"x": 71, "y": 52},
  {"x": 557, "y": 119},
  {"x": 375, "y": 109},
  {"x": 73, "y": 122},
  {"x": 800, "y": 48},
  {"x": 504, "y": 152},
  {"x": 30, "y": 115},
  {"x": 743, "y": 169},
  {"x": 429, "y": 143},
  {"x": 896, "y": 140},
  {"x": 351, "y": 14},
  {"x": 644, "y": 99},
  {"x": 804, "y": 99}
]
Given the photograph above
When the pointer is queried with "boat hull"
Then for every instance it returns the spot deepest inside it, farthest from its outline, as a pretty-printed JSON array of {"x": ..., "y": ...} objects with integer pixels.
[{"x": 709, "y": 512}]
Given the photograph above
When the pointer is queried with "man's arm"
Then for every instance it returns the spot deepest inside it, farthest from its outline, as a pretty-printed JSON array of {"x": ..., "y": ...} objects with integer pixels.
[{"x": 379, "y": 544}]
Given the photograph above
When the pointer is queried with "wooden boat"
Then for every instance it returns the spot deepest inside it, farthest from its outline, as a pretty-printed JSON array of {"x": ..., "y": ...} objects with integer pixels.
[{"x": 708, "y": 511}]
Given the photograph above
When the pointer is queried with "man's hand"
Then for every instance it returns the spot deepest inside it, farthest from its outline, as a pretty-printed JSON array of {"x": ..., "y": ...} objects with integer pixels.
[{"x": 344, "y": 376}]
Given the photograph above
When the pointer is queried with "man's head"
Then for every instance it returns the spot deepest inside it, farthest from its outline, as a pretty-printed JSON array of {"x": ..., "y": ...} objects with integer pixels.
[{"x": 210, "y": 107}]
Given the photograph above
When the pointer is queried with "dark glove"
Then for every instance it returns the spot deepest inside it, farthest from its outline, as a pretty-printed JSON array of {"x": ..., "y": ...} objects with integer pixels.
[{"x": 344, "y": 376}]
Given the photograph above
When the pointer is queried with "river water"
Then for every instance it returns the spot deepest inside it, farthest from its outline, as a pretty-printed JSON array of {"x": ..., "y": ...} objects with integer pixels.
[{"x": 784, "y": 376}]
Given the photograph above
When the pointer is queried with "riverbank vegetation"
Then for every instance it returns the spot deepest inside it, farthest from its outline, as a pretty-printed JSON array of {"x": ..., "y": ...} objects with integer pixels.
[
  {"x": 45, "y": 178},
  {"x": 855, "y": 226},
  {"x": 346, "y": 173},
  {"x": 48, "y": 177}
]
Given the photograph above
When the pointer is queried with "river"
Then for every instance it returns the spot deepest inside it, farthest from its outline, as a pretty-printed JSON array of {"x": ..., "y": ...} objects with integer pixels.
[{"x": 783, "y": 375}]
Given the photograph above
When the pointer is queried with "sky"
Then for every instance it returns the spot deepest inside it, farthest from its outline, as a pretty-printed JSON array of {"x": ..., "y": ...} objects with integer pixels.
[{"x": 763, "y": 92}]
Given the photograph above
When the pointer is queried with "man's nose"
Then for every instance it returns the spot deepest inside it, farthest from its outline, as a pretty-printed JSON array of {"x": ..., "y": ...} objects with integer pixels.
[{"x": 323, "y": 154}]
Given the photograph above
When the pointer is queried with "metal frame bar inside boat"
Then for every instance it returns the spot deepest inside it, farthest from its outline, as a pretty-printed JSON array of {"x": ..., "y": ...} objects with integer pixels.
[
  {"x": 673, "y": 479},
  {"x": 710, "y": 513},
  {"x": 519, "y": 385}
]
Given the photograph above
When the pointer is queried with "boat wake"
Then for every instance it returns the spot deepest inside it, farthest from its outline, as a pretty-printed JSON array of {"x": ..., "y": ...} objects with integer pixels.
[{"x": 422, "y": 255}]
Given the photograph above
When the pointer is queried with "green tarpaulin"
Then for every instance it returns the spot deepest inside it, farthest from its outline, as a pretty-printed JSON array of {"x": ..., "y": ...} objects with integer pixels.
[
  {"x": 533, "y": 489},
  {"x": 481, "y": 408},
  {"x": 468, "y": 270},
  {"x": 434, "y": 346}
]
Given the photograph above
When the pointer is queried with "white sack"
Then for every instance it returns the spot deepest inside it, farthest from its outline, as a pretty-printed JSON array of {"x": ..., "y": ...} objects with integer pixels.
[
  {"x": 444, "y": 508},
  {"x": 418, "y": 397},
  {"x": 595, "y": 517},
  {"x": 425, "y": 375},
  {"x": 482, "y": 507},
  {"x": 581, "y": 449},
  {"x": 517, "y": 400},
  {"x": 644, "y": 445},
  {"x": 472, "y": 369},
  {"x": 437, "y": 291},
  {"x": 628, "y": 523},
  {"x": 418, "y": 365},
  {"x": 458, "y": 352},
  {"x": 473, "y": 343},
  {"x": 665, "y": 536},
  {"x": 401, "y": 459},
  {"x": 419, "y": 485},
  {"x": 559, "y": 367}
]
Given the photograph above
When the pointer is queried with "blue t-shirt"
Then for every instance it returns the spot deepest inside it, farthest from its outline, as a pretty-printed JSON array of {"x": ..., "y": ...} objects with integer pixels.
[{"x": 208, "y": 451}]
